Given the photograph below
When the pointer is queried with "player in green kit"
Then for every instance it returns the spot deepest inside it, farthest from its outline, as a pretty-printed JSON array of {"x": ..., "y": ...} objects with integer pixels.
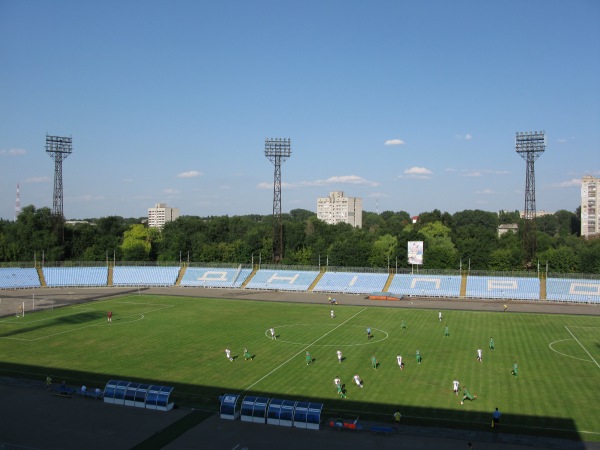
[
  {"x": 340, "y": 391},
  {"x": 374, "y": 362},
  {"x": 492, "y": 343},
  {"x": 308, "y": 358},
  {"x": 418, "y": 357},
  {"x": 515, "y": 369},
  {"x": 446, "y": 331},
  {"x": 403, "y": 325},
  {"x": 247, "y": 355},
  {"x": 467, "y": 396}
]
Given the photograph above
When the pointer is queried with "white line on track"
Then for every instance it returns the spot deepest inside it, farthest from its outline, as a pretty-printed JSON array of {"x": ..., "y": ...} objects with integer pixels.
[
  {"x": 302, "y": 351},
  {"x": 585, "y": 349}
]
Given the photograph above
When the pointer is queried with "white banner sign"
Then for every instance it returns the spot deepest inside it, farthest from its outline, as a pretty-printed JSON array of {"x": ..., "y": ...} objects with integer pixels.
[{"x": 415, "y": 252}]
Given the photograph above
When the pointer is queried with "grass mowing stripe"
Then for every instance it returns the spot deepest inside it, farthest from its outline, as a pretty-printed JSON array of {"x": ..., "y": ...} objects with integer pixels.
[
  {"x": 303, "y": 350},
  {"x": 585, "y": 349},
  {"x": 182, "y": 346}
]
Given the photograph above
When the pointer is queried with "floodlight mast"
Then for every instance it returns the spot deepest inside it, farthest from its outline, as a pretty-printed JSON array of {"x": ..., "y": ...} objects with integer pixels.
[
  {"x": 277, "y": 151},
  {"x": 58, "y": 148},
  {"x": 530, "y": 145}
]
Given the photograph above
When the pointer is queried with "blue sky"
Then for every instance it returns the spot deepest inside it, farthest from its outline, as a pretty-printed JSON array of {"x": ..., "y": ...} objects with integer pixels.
[{"x": 410, "y": 105}]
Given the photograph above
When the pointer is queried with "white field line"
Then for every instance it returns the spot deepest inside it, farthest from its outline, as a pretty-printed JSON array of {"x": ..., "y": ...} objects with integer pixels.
[
  {"x": 70, "y": 330},
  {"x": 585, "y": 349},
  {"x": 302, "y": 351},
  {"x": 564, "y": 354}
]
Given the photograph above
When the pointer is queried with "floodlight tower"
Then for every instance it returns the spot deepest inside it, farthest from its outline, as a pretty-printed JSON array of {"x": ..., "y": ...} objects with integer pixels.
[
  {"x": 59, "y": 148},
  {"x": 277, "y": 151},
  {"x": 530, "y": 145},
  {"x": 18, "y": 203}
]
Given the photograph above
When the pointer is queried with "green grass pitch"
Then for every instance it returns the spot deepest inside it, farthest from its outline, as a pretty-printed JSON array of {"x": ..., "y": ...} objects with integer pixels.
[{"x": 181, "y": 341}]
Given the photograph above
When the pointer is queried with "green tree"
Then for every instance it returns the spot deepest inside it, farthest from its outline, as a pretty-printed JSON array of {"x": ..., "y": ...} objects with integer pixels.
[
  {"x": 590, "y": 257},
  {"x": 383, "y": 251},
  {"x": 35, "y": 233},
  {"x": 439, "y": 251},
  {"x": 560, "y": 260},
  {"x": 137, "y": 242},
  {"x": 352, "y": 249}
]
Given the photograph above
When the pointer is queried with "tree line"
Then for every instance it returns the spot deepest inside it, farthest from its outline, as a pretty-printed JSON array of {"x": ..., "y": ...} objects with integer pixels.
[{"x": 451, "y": 241}]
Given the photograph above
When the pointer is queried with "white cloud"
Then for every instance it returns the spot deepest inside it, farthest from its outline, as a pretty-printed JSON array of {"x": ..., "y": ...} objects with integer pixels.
[
  {"x": 481, "y": 172},
  {"x": 394, "y": 142},
  {"x": 418, "y": 172},
  {"x": 190, "y": 174},
  {"x": 37, "y": 180},
  {"x": 466, "y": 137},
  {"x": 12, "y": 152},
  {"x": 87, "y": 198},
  {"x": 378, "y": 195},
  {"x": 171, "y": 191},
  {"x": 345, "y": 179},
  {"x": 485, "y": 192},
  {"x": 575, "y": 182},
  {"x": 354, "y": 180},
  {"x": 561, "y": 141}
]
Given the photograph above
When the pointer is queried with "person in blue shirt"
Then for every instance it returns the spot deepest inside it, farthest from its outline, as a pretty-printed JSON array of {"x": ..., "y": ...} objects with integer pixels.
[{"x": 496, "y": 419}]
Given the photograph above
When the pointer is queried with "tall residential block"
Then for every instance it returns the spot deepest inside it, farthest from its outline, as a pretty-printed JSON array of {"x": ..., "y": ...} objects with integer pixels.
[
  {"x": 336, "y": 208},
  {"x": 590, "y": 199},
  {"x": 161, "y": 214}
]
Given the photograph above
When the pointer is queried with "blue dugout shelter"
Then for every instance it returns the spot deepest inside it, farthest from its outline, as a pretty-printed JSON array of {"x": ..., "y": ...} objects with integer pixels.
[{"x": 139, "y": 395}]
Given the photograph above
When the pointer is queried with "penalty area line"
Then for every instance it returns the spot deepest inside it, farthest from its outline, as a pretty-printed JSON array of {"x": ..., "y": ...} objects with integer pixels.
[
  {"x": 584, "y": 349},
  {"x": 302, "y": 351}
]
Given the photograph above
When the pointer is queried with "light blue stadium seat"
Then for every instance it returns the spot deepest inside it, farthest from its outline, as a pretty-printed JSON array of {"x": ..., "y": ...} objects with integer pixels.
[
  {"x": 282, "y": 280},
  {"x": 351, "y": 283},
  {"x": 572, "y": 290},
  {"x": 215, "y": 277},
  {"x": 18, "y": 278},
  {"x": 145, "y": 276},
  {"x": 503, "y": 288},
  {"x": 75, "y": 276},
  {"x": 426, "y": 285}
]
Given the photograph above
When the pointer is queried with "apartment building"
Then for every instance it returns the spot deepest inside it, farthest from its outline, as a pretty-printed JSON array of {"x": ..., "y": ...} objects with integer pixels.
[
  {"x": 590, "y": 216},
  {"x": 337, "y": 208},
  {"x": 161, "y": 214}
]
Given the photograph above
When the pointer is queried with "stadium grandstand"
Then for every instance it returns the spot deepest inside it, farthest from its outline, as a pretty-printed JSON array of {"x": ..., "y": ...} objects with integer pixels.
[{"x": 465, "y": 285}]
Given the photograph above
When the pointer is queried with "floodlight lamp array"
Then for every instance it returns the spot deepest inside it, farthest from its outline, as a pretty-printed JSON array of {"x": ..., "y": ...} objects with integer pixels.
[
  {"x": 278, "y": 147},
  {"x": 59, "y": 147},
  {"x": 530, "y": 144}
]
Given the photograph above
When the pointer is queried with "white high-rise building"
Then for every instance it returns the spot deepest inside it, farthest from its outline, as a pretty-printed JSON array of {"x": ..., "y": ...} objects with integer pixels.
[
  {"x": 336, "y": 208},
  {"x": 590, "y": 201},
  {"x": 161, "y": 214}
]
